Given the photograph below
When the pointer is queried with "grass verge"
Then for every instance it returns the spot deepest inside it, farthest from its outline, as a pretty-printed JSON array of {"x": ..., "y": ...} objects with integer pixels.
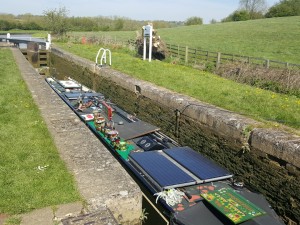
[
  {"x": 32, "y": 175},
  {"x": 266, "y": 106},
  {"x": 273, "y": 38}
]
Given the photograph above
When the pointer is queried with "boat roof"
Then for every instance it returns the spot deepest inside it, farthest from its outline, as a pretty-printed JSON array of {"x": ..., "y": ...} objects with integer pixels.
[
  {"x": 135, "y": 129},
  {"x": 69, "y": 84},
  {"x": 204, "y": 213},
  {"x": 75, "y": 95},
  {"x": 177, "y": 167}
]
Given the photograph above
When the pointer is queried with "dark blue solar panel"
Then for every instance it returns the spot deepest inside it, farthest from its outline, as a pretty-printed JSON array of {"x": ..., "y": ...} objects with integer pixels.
[
  {"x": 161, "y": 169},
  {"x": 197, "y": 164},
  {"x": 75, "y": 95}
]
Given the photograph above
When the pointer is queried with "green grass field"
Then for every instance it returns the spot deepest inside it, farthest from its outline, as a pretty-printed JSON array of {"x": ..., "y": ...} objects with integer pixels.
[
  {"x": 259, "y": 104},
  {"x": 275, "y": 38},
  {"x": 25, "y": 144}
]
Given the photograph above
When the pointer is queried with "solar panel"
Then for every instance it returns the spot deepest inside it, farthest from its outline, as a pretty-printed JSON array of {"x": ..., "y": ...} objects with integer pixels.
[
  {"x": 75, "y": 95},
  {"x": 197, "y": 164},
  {"x": 69, "y": 84},
  {"x": 134, "y": 129},
  {"x": 160, "y": 170}
]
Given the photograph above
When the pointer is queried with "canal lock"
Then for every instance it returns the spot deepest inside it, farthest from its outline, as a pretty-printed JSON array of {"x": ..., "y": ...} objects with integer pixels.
[
  {"x": 38, "y": 57},
  {"x": 257, "y": 170}
]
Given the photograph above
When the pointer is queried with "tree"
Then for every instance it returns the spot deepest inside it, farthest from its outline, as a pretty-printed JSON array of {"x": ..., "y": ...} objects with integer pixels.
[
  {"x": 31, "y": 26},
  {"x": 119, "y": 24},
  {"x": 56, "y": 21},
  {"x": 194, "y": 21},
  {"x": 213, "y": 21},
  {"x": 5, "y": 25},
  {"x": 242, "y": 15},
  {"x": 284, "y": 8},
  {"x": 238, "y": 15},
  {"x": 255, "y": 8}
]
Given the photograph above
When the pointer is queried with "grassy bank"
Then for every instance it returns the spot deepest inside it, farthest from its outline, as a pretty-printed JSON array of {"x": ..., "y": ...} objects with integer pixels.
[
  {"x": 32, "y": 175},
  {"x": 274, "y": 38},
  {"x": 272, "y": 108}
]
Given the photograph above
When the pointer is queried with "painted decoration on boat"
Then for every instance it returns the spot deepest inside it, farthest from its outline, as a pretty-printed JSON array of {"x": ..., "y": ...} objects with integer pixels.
[
  {"x": 88, "y": 117},
  {"x": 231, "y": 204}
]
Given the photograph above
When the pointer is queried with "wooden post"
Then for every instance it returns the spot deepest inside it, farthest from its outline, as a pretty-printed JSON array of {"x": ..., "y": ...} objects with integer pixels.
[
  {"x": 267, "y": 63},
  {"x": 218, "y": 60},
  {"x": 178, "y": 51},
  {"x": 186, "y": 54},
  {"x": 287, "y": 65}
]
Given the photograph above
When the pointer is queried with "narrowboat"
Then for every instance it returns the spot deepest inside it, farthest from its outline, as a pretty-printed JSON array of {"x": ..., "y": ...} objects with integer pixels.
[{"x": 186, "y": 187}]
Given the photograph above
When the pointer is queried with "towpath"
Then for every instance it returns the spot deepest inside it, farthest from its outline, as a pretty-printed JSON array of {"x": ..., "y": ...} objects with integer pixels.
[{"x": 101, "y": 180}]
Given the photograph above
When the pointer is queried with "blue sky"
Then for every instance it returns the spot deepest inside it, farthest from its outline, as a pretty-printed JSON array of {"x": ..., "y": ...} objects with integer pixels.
[{"x": 171, "y": 10}]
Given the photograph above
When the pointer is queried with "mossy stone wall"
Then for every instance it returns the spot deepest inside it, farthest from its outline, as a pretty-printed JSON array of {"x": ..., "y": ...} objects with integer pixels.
[{"x": 277, "y": 179}]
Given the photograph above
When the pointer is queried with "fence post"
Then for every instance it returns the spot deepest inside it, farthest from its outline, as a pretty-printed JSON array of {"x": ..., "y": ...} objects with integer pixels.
[
  {"x": 186, "y": 54},
  {"x": 205, "y": 54},
  {"x": 267, "y": 63},
  {"x": 218, "y": 60}
]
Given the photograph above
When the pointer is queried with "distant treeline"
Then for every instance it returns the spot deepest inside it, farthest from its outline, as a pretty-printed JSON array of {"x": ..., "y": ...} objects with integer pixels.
[
  {"x": 34, "y": 22},
  {"x": 21, "y": 22},
  {"x": 255, "y": 9},
  {"x": 57, "y": 21}
]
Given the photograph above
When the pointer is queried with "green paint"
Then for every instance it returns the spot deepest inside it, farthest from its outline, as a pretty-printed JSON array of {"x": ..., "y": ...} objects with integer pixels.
[
  {"x": 231, "y": 204},
  {"x": 123, "y": 153}
]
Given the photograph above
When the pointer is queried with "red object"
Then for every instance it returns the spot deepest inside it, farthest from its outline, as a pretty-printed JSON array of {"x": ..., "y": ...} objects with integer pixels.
[
  {"x": 83, "y": 40},
  {"x": 109, "y": 110},
  {"x": 194, "y": 198}
]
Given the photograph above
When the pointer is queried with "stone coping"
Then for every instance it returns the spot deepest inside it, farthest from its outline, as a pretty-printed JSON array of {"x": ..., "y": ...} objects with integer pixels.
[{"x": 101, "y": 180}]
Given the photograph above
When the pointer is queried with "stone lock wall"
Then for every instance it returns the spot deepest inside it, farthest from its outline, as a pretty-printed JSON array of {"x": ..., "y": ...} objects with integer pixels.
[{"x": 267, "y": 160}]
